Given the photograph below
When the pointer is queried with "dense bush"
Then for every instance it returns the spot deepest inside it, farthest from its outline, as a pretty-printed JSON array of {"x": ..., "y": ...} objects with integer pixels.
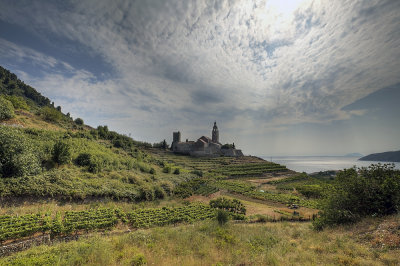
[
  {"x": 161, "y": 145},
  {"x": 6, "y": 109},
  {"x": 359, "y": 193},
  {"x": 197, "y": 172},
  {"x": 167, "y": 169},
  {"x": 95, "y": 165},
  {"x": 79, "y": 121},
  {"x": 234, "y": 205},
  {"x": 17, "y": 157},
  {"x": 17, "y": 101},
  {"x": 186, "y": 189},
  {"x": 228, "y": 146},
  {"x": 51, "y": 114},
  {"x": 83, "y": 159},
  {"x": 310, "y": 191},
  {"x": 222, "y": 217},
  {"x": 61, "y": 152},
  {"x": 177, "y": 171},
  {"x": 118, "y": 140}
]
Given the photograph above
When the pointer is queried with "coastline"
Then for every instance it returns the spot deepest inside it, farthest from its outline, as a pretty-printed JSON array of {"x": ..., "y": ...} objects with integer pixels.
[{"x": 314, "y": 164}]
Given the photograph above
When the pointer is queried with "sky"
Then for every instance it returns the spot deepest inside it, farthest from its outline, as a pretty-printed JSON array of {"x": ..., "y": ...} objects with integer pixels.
[{"x": 292, "y": 77}]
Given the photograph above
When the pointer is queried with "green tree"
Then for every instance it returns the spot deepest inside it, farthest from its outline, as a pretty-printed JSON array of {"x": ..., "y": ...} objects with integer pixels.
[
  {"x": 222, "y": 217},
  {"x": 61, "y": 153},
  {"x": 51, "y": 114},
  {"x": 234, "y": 206},
  {"x": 79, "y": 121},
  {"x": 103, "y": 132},
  {"x": 17, "y": 101},
  {"x": 17, "y": 156},
  {"x": 164, "y": 145},
  {"x": 228, "y": 146},
  {"x": 83, "y": 159},
  {"x": 6, "y": 109},
  {"x": 359, "y": 193}
]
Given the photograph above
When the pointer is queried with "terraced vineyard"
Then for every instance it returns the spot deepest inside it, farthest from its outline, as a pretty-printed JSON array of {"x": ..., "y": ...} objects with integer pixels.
[
  {"x": 227, "y": 167},
  {"x": 89, "y": 220},
  {"x": 15, "y": 227},
  {"x": 206, "y": 190},
  {"x": 251, "y": 169},
  {"x": 164, "y": 216},
  {"x": 21, "y": 226}
]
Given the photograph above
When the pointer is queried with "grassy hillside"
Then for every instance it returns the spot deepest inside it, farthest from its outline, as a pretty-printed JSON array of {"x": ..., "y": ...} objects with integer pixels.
[
  {"x": 132, "y": 203},
  {"x": 45, "y": 154}
]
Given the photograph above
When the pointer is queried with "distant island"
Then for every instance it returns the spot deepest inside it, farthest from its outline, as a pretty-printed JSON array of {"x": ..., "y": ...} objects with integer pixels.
[{"x": 389, "y": 156}]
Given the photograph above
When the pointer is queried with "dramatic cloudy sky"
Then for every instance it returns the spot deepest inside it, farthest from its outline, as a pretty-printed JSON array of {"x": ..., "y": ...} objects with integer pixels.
[{"x": 281, "y": 77}]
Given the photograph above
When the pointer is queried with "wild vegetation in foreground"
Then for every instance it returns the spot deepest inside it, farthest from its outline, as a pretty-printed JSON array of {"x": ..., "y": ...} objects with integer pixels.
[{"x": 207, "y": 243}]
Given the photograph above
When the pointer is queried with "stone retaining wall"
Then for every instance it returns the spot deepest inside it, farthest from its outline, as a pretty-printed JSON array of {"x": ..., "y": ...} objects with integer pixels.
[{"x": 24, "y": 244}]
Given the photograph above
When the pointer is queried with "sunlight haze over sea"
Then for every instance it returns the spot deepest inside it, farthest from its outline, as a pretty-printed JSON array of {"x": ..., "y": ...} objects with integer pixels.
[{"x": 311, "y": 164}]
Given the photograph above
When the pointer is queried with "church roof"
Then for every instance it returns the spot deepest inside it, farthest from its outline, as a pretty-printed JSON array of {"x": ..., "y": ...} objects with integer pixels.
[{"x": 205, "y": 139}]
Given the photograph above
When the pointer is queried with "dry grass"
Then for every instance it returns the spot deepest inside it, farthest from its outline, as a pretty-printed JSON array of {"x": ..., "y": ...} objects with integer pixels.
[
  {"x": 206, "y": 243},
  {"x": 52, "y": 206},
  {"x": 29, "y": 120}
]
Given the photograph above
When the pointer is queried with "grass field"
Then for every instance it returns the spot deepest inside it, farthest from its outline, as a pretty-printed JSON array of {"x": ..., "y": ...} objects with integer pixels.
[{"x": 206, "y": 243}]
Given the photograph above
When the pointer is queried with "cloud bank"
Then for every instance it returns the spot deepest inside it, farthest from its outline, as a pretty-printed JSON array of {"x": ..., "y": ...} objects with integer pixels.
[{"x": 256, "y": 66}]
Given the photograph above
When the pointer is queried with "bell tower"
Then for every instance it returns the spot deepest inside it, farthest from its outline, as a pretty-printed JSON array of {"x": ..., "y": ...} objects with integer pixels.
[{"x": 215, "y": 133}]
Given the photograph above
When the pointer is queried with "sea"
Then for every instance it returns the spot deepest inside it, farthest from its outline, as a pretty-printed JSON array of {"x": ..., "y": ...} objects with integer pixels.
[{"x": 312, "y": 164}]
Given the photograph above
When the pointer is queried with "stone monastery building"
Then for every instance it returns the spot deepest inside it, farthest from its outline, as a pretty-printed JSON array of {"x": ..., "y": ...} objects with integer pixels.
[{"x": 204, "y": 146}]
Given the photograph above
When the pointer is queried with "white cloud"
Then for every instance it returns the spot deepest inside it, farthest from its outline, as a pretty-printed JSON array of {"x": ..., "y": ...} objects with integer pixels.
[{"x": 254, "y": 60}]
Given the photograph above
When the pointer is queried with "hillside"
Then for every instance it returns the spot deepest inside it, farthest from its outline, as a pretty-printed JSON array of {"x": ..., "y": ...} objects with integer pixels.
[
  {"x": 11, "y": 85},
  {"x": 126, "y": 202},
  {"x": 389, "y": 156}
]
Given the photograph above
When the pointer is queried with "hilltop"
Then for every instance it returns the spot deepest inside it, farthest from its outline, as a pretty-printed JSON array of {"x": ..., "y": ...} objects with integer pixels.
[{"x": 130, "y": 202}]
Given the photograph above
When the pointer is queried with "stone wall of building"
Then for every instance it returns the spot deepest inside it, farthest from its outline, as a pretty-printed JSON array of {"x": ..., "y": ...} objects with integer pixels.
[{"x": 183, "y": 147}]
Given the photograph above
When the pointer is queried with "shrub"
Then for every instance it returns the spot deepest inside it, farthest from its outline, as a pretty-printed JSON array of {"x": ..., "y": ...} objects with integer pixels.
[
  {"x": 6, "y": 109},
  {"x": 197, "y": 172},
  {"x": 261, "y": 218},
  {"x": 177, "y": 171},
  {"x": 147, "y": 192},
  {"x": 79, "y": 121},
  {"x": 234, "y": 205},
  {"x": 17, "y": 157},
  {"x": 118, "y": 143},
  {"x": 17, "y": 101},
  {"x": 61, "y": 153},
  {"x": 228, "y": 146},
  {"x": 95, "y": 165},
  {"x": 51, "y": 114},
  {"x": 103, "y": 132},
  {"x": 83, "y": 159},
  {"x": 310, "y": 191},
  {"x": 167, "y": 169},
  {"x": 138, "y": 260},
  {"x": 358, "y": 193},
  {"x": 222, "y": 217},
  {"x": 152, "y": 171}
]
